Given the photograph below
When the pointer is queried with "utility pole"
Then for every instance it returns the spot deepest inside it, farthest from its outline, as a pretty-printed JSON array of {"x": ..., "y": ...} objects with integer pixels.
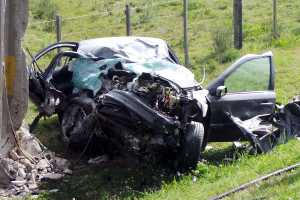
[
  {"x": 2, "y": 14},
  {"x": 15, "y": 93},
  {"x": 238, "y": 23},
  {"x": 185, "y": 33}
]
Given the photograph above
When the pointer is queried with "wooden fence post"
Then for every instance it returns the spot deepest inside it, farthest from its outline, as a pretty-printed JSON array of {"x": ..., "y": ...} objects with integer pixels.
[
  {"x": 185, "y": 33},
  {"x": 58, "y": 27},
  {"x": 238, "y": 23},
  {"x": 128, "y": 20},
  {"x": 275, "y": 30},
  {"x": 58, "y": 30}
]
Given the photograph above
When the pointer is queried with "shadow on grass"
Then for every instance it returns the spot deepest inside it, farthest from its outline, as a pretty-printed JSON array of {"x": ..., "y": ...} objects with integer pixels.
[
  {"x": 116, "y": 179},
  {"x": 114, "y": 182},
  {"x": 48, "y": 132},
  {"x": 119, "y": 179},
  {"x": 224, "y": 153}
]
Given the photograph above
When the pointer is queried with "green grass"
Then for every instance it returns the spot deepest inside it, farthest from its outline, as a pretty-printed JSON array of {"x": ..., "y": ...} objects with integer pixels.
[
  {"x": 123, "y": 180},
  {"x": 282, "y": 187},
  {"x": 223, "y": 169}
]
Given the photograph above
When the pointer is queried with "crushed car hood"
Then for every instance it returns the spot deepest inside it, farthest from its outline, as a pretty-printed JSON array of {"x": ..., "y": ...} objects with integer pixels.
[
  {"x": 178, "y": 74},
  {"x": 137, "y": 54},
  {"x": 87, "y": 73}
]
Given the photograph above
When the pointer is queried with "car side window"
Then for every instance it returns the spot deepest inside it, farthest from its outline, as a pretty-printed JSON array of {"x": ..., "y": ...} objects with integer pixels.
[{"x": 253, "y": 75}]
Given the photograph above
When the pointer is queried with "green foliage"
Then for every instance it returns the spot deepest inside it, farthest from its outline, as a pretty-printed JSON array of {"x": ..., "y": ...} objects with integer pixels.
[
  {"x": 146, "y": 13},
  {"x": 296, "y": 31},
  {"x": 284, "y": 42},
  {"x": 44, "y": 10},
  {"x": 229, "y": 55},
  {"x": 255, "y": 31},
  {"x": 196, "y": 5},
  {"x": 222, "y": 40},
  {"x": 211, "y": 65},
  {"x": 222, "y": 43}
]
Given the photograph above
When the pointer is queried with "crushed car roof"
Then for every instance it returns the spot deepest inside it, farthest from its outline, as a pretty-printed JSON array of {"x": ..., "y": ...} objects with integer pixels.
[{"x": 135, "y": 49}]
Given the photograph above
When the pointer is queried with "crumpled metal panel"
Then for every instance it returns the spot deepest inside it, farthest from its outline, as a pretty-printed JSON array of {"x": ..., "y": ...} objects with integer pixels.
[
  {"x": 87, "y": 74},
  {"x": 259, "y": 131},
  {"x": 178, "y": 74},
  {"x": 266, "y": 131},
  {"x": 134, "y": 49}
]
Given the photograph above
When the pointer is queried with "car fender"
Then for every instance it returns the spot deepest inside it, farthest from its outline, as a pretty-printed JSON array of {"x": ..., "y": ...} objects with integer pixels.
[{"x": 201, "y": 97}]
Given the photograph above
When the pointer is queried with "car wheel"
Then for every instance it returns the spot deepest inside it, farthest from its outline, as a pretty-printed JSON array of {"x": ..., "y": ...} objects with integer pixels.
[
  {"x": 72, "y": 125},
  {"x": 294, "y": 108},
  {"x": 191, "y": 146}
]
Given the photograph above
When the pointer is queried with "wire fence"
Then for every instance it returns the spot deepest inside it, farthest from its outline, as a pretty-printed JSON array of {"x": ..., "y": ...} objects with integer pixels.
[{"x": 165, "y": 20}]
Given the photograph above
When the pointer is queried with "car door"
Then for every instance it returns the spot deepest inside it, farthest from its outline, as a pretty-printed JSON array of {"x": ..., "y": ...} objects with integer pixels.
[{"x": 245, "y": 90}]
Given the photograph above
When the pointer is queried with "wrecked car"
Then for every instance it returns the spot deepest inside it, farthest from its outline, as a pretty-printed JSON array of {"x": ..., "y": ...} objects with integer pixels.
[{"x": 132, "y": 95}]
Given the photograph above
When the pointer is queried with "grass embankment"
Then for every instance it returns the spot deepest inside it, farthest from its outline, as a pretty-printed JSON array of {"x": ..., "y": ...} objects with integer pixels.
[{"x": 210, "y": 46}]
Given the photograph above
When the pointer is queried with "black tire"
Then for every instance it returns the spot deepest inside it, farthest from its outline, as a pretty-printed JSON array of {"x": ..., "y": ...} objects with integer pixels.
[
  {"x": 293, "y": 108},
  {"x": 191, "y": 146},
  {"x": 72, "y": 125},
  {"x": 76, "y": 121}
]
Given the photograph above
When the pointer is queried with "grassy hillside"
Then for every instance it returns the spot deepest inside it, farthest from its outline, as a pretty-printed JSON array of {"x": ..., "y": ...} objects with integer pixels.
[
  {"x": 210, "y": 46},
  {"x": 210, "y": 29}
]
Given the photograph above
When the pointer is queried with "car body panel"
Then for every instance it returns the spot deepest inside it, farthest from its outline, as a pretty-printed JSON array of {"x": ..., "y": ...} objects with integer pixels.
[{"x": 243, "y": 105}]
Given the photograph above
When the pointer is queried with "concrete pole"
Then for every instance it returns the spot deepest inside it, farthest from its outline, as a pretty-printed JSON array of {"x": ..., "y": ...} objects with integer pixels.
[
  {"x": 2, "y": 13},
  {"x": 15, "y": 99}
]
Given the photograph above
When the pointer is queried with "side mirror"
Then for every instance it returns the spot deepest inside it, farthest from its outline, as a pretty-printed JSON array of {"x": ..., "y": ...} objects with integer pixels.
[{"x": 221, "y": 91}]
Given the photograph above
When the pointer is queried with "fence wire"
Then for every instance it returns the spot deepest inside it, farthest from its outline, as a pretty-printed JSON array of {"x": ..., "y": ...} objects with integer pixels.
[{"x": 164, "y": 19}]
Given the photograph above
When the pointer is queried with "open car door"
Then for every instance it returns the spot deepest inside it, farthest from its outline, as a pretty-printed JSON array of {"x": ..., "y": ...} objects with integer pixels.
[{"x": 244, "y": 90}]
